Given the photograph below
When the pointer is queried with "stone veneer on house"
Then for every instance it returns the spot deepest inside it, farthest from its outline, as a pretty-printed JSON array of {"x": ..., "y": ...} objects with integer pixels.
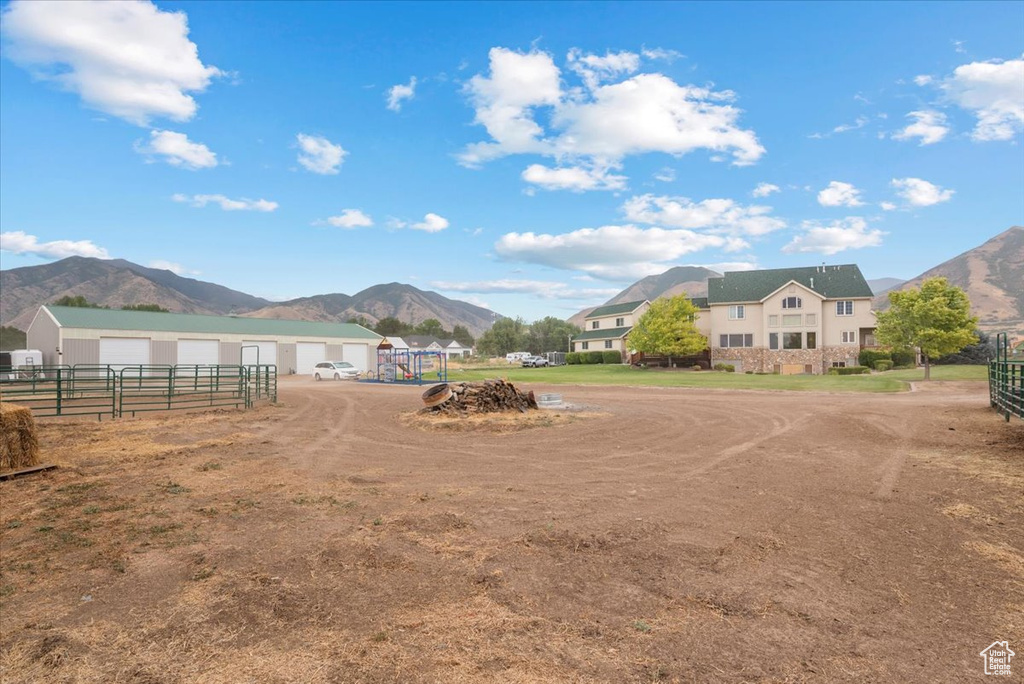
[{"x": 764, "y": 360}]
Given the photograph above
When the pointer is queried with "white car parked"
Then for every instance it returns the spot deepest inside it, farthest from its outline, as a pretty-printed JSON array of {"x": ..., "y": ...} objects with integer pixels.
[{"x": 338, "y": 370}]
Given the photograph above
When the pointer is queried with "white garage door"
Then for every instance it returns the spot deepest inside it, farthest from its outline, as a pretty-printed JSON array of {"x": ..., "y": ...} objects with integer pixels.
[
  {"x": 307, "y": 355},
  {"x": 267, "y": 355},
  {"x": 356, "y": 354},
  {"x": 198, "y": 352},
  {"x": 118, "y": 352}
]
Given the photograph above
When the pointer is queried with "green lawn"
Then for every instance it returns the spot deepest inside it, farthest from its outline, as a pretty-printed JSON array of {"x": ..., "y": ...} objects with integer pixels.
[{"x": 892, "y": 381}]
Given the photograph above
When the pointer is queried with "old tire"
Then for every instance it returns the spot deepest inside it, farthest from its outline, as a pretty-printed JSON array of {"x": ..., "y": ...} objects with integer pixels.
[{"x": 436, "y": 395}]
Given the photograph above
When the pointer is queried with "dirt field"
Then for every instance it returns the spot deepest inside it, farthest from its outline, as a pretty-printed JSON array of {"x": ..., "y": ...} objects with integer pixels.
[{"x": 662, "y": 535}]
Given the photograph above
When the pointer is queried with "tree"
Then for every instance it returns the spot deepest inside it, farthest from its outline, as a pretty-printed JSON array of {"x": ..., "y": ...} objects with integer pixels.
[
  {"x": 145, "y": 307},
  {"x": 78, "y": 301},
  {"x": 358, "y": 320},
  {"x": 11, "y": 338},
  {"x": 505, "y": 336},
  {"x": 669, "y": 328},
  {"x": 390, "y": 326},
  {"x": 935, "y": 318},
  {"x": 978, "y": 354},
  {"x": 431, "y": 327},
  {"x": 550, "y": 334},
  {"x": 462, "y": 336}
]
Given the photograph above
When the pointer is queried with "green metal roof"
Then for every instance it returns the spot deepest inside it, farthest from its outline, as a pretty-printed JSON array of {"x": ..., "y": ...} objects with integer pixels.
[
  {"x": 612, "y": 309},
  {"x": 115, "y": 319},
  {"x": 831, "y": 282},
  {"x": 609, "y": 334}
]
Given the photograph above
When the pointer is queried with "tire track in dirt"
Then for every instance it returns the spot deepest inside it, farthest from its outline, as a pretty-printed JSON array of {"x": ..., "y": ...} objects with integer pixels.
[{"x": 893, "y": 466}]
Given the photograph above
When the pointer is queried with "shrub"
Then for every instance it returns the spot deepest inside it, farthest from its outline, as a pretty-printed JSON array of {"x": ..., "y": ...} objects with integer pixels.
[
  {"x": 572, "y": 358},
  {"x": 833, "y": 371},
  {"x": 850, "y": 370},
  {"x": 727, "y": 367},
  {"x": 595, "y": 357},
  {"x": 696, "y": 367},
  {"x": 883, "y": 364},
  {"x": 868, "y": 357},
  {"x": 903, "y": 358},
  {"x": 612, "y": 357}
]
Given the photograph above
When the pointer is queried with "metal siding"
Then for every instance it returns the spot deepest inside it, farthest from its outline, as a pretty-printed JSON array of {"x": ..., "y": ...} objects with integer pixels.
[
  {"x": 231, "y": 353},
  {"x": 85, "y": 352},
  {"x": 335, "y": 352},
  {"x": 267, "y": 355},
  {"x": 164, "y": 352},
  {"x": 44, "y": 335}
]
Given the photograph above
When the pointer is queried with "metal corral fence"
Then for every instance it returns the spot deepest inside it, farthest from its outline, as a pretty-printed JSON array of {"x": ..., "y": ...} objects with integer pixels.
[
  {"x": 1006, "y": 380},
  {"x": 105, "y": 391}
]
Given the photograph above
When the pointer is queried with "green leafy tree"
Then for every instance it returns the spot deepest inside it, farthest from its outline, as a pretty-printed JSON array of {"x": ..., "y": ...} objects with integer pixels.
[
  {"x": 550, "y": 334},
  {"x": 145, "y": 307},
  {"x": 668, "y": 328},
  {"x": 935, "y": 318},
  {"x": 432, "y": 327},
  {"x": 358, "y": 320},
  {"x": 462, "y": 336},
  {"x": 505, "y": 336},
  {"x": 79, "y": 301},
  {"x": 11, "y": 338},
  {"x": 393, "y": 327}
]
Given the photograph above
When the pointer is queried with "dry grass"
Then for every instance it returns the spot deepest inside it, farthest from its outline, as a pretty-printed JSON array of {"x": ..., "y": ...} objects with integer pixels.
[
  {"x": 1004, "y": 555},
  {"x": 509, "y": 421}
]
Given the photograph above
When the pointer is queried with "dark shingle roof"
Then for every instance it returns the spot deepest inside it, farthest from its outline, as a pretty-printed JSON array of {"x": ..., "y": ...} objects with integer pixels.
[
  {"x": 831, "y": 282},
  {"x": 609, "y": 334},
  {"x": 116, "y": 319},
  {"x": 612, "y": 309}
]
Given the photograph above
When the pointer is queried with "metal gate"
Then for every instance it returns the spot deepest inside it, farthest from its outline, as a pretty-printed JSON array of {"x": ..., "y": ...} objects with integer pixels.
[{"x": 1006, "y": 380}]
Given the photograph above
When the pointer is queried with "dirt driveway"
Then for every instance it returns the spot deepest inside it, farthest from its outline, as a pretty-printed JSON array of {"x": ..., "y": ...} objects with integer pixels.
[{"x": 661, "y": 535}]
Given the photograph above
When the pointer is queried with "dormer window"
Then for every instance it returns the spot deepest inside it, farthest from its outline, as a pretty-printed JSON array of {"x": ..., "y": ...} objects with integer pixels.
[
  {"x": 595, "y": 325},
  {"x": 792, "y": 303}
]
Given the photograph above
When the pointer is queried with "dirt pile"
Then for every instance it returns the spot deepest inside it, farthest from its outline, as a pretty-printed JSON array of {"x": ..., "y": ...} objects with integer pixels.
[{"x": 489, "y": 396}]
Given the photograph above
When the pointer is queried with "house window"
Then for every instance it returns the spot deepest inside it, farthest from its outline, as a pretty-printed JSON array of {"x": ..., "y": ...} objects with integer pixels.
[
  {"x": 792, "y": 340},
  {"x": 773, "y": 340},
  {"x": 792, "y": 319},
  {"x": 773, "y": 321},
  {"x": 839, "y": 364},
  {"x": 736, "y": 312},
  {"x": 620, "y": 322},
  {"x": 812, "y": 340},
  {"x": 607, "y": 344},
  {"x": 586, "y": 345},
  {"x": 595, "y": 325},
  {"x": 812, "y": 319},
  {"x": 792, "y": 303},
  {"x": 844, "y": 308},
  {"x": 736, "y": 340},
  {"x": 849, "y": 337}
]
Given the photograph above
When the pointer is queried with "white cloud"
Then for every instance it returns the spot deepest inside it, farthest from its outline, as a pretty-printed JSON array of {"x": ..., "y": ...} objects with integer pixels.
[
  {"x": 712, "y": 215},
  {"x": 834, "y": 237},
  {"x": 226, "y": 203},
  {"x": 928, "y": 125},
  {"x": 839, "y": 194},
  {"x": 128, "y": 59},
  {"x": 860, "y": 122},
  {"x": 923, "y": 80},
  {"x": 888, "y": 206},
  {"x": 19, "y": 242},
  {"x": 397, "y": 93},
  {"x": 544, "y": 289},
  {"x": 431, "y": 223},
  {"x": 765, "y": 189},
  {"x": 175, "y": 268},
  {"x": 920, "y": 193},
  {"x": 605, "y": 122},
  {"x": 666, "y": 174},
  {"x": 610, "y": 252},
  {"x": 575, "y": 178},
  {"x": 177, "y": 150},
  {"x": 320, "y": 155},
  {"x": 348, "y": 218},
  {"x": 994, "y": 92},
  {"x": 661, "y": 53}
]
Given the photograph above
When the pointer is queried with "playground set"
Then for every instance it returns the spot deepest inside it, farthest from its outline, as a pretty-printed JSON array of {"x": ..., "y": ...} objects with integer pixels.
[{"x": 414, "y": 367}]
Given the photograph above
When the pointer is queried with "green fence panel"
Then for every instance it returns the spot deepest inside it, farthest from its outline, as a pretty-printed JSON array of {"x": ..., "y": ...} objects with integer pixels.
[{"x": 1006, "y": 380}]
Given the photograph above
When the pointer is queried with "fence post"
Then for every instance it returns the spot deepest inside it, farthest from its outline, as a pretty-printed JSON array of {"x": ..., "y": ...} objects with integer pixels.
[{"x": 60, "y": 393}]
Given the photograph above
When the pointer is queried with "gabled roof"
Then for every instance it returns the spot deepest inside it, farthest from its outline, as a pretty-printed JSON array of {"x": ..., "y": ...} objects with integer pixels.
[
  {"x": 609, "y": 334},
  {"x": 699, "y": 302},
  {"x": 831, "y": 282},
  {"x": 612, "y": 309},
  {"x": 116, "y": 319},
  {"x": 421, "y": 341}
]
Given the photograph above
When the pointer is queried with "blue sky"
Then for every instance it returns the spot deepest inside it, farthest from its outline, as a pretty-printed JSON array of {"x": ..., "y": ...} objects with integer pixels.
[{"x": 534, "y": 158}]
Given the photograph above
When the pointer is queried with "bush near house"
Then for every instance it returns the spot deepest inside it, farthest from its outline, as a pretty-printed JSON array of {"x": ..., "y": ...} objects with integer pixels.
[
  {"x": 612, "y": 357},
  {"x": 572, "y": 358},
  {"x": 904, "y": 359},
  {"x": 849, "y": 370},
  {"x": 868, "y": 357},
  {"x": 727, "y": 367},
  {"x": 883, "y": 364},
  {"x": 595, "y": 357}
]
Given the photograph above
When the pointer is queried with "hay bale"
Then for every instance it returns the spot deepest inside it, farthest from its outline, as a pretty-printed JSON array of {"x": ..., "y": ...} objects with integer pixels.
[{"x": 19, "y": 447}]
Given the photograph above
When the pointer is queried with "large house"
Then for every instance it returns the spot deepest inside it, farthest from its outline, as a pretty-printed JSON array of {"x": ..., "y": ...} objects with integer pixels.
[
  {"x": 789, "y": 320},
  {"x": 606, "y": 327},
  {"x": 786, "y": 320}
]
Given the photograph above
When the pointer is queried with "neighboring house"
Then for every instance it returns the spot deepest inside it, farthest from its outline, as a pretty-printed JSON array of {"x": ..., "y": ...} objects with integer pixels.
[
  {"x": 75, "y": 335},
  {"x": 606, "y": 327},
  {"x": 449, "y": 348},
  {"x": 454, "y": 349},
  {"x": 789, "y": 320}
]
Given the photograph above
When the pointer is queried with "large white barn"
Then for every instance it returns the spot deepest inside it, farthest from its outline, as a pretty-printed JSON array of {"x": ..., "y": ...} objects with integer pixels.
[{"x": 74, "y": 335}]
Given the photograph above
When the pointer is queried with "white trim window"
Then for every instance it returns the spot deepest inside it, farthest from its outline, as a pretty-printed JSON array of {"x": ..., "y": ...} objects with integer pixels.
[
  {"x": 594, "y": 325},
  {"x": 620, "y": 322},
  {"x": 844, "y": 307},
  {"x": 736, "y": 340},
  {"x": 812, "y": 319},
  {"x": 789, "y": 320},
  {"x": 737, "y": 312},
  {"x": 607, "y": 344},
  {"x": 586, "y": 345},
  {"x": 849, "y": 337},
  {"x": 792, "y": 303},
  {"x": 773, "y": 320}
]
